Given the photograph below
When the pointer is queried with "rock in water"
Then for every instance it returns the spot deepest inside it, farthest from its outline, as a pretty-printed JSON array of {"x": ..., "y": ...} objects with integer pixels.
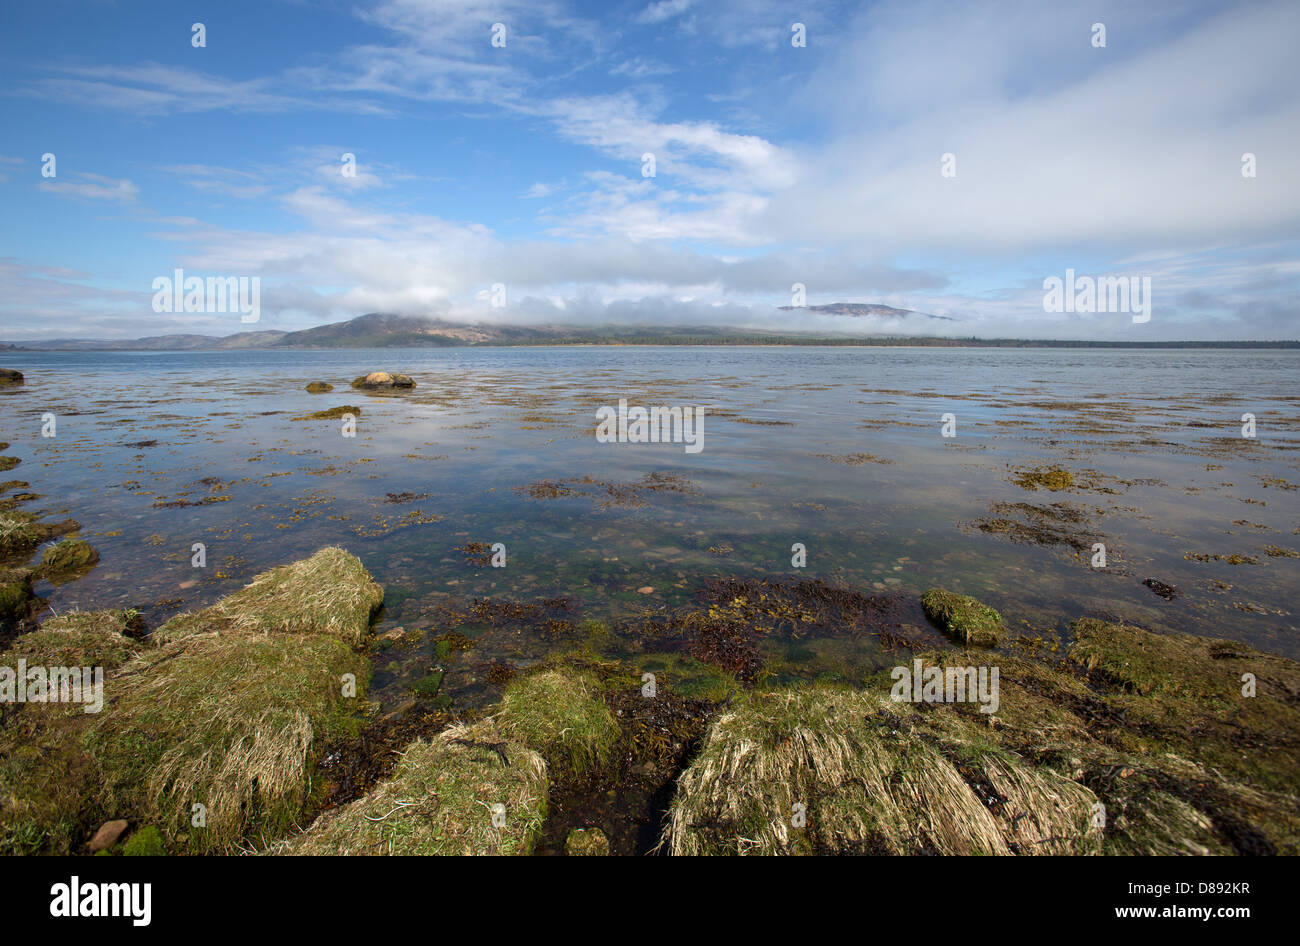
[
  {"x": 383, "y": 381},
  {"x": 10, "y": 376}
]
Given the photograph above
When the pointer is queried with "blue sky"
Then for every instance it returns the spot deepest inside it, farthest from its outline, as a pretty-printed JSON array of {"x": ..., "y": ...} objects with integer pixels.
[{"x": 774, "y": 164}]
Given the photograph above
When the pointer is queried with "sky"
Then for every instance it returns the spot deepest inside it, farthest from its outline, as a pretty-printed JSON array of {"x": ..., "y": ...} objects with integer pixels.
[{"x": 940, "y": 157}]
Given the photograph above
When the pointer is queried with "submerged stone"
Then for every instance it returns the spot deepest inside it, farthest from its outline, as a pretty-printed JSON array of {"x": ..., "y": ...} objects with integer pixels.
[{"x": 586, "y": 842}]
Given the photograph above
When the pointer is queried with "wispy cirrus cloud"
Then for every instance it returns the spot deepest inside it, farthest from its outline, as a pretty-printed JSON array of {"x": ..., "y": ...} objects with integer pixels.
[{"x": 88, "y": 186}]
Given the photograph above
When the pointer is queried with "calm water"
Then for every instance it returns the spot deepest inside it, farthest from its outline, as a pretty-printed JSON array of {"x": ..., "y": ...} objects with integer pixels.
[{"x": 838, "y": 449}]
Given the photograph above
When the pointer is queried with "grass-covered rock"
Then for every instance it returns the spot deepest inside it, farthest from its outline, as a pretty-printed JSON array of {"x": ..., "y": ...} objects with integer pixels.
[
  {"x": 1137, "y": 744},
  {"x": 47, "y": 779},
  {"x": 319, "y": 387},
  {"x": 104, "y": 639},
  {"x": 20, "y": 532},
  {"x": 17, "y": 599},
  {"x": 329, "y": 593},
  {"x": 825, "y": 770},
  {"x": 230, "y": 721},
  {"x": 963, "y": 618},
  {"x": 468, "y": 791},
  {"x": 1221, "y": 702},
  {"x": 227, "y": 710},
  {"x": 560, "y": 714}
]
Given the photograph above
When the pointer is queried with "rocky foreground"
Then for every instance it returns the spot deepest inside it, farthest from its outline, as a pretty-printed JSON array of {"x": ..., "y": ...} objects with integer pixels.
[{"x": 216, "y": 730}]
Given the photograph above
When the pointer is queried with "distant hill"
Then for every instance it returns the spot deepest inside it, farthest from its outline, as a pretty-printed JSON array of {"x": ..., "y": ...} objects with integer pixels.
[
  {"x": 383, "y": 330},
  {"x": 863, "y": 310}
]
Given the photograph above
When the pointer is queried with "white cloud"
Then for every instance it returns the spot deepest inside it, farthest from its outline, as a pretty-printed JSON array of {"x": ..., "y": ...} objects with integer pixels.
[
  {"x": 92, "y": 187},
  {"x": 662, "y": 10}
]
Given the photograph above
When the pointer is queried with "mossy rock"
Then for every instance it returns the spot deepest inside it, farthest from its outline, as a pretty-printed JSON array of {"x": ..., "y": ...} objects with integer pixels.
[
  {"x": 229, "y": 720},
  {"x": 963, "y": 618},
  {"x": 47, "y": 779},
  {"x": 10, "y": 376},
  {"x": 1175, "y": 776},
  {"x": 1186, "y": 694},
  {"x": 319, "y": 387},
  {"x": 147, "y": 842},
  {"x": 67, "y": 558},
  {"x": 8, "y": 463},
  {"x": 825, "y": 770},
  {"x": 18, "y": 601},
  {"x": 106, "y": 639},
  {"x": 560, "y": 714},
  {"x": 586, "y": 842},
  {"x": 228, "y": 710},
  {"x": 468, "y": 791},
  {"x": 329, "y": 593}
]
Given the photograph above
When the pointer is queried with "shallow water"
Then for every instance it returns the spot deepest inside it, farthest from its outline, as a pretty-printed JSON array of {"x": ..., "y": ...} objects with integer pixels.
[{"x": 1152, "y": 437}]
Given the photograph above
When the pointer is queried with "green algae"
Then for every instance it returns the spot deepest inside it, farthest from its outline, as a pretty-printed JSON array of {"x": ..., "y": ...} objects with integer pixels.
[{"x": 333, "y": 413}]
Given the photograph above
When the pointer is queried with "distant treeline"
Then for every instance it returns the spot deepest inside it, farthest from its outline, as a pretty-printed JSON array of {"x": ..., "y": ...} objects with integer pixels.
[{"x": 890, "y": 342}]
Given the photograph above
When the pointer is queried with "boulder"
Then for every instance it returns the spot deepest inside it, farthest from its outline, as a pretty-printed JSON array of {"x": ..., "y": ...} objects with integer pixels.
[
  {"x": 9, "y": 376},
  {"x": 107, "y": 835},
  {"x": 383, "y": 381}
]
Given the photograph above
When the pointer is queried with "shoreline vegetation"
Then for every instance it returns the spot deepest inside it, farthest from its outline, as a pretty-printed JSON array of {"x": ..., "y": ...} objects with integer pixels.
[{"x": 243, "y": 727}]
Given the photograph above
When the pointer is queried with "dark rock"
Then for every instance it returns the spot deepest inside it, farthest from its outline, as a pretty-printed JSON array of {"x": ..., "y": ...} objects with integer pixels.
[{"x": 1168, "y": 592}]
